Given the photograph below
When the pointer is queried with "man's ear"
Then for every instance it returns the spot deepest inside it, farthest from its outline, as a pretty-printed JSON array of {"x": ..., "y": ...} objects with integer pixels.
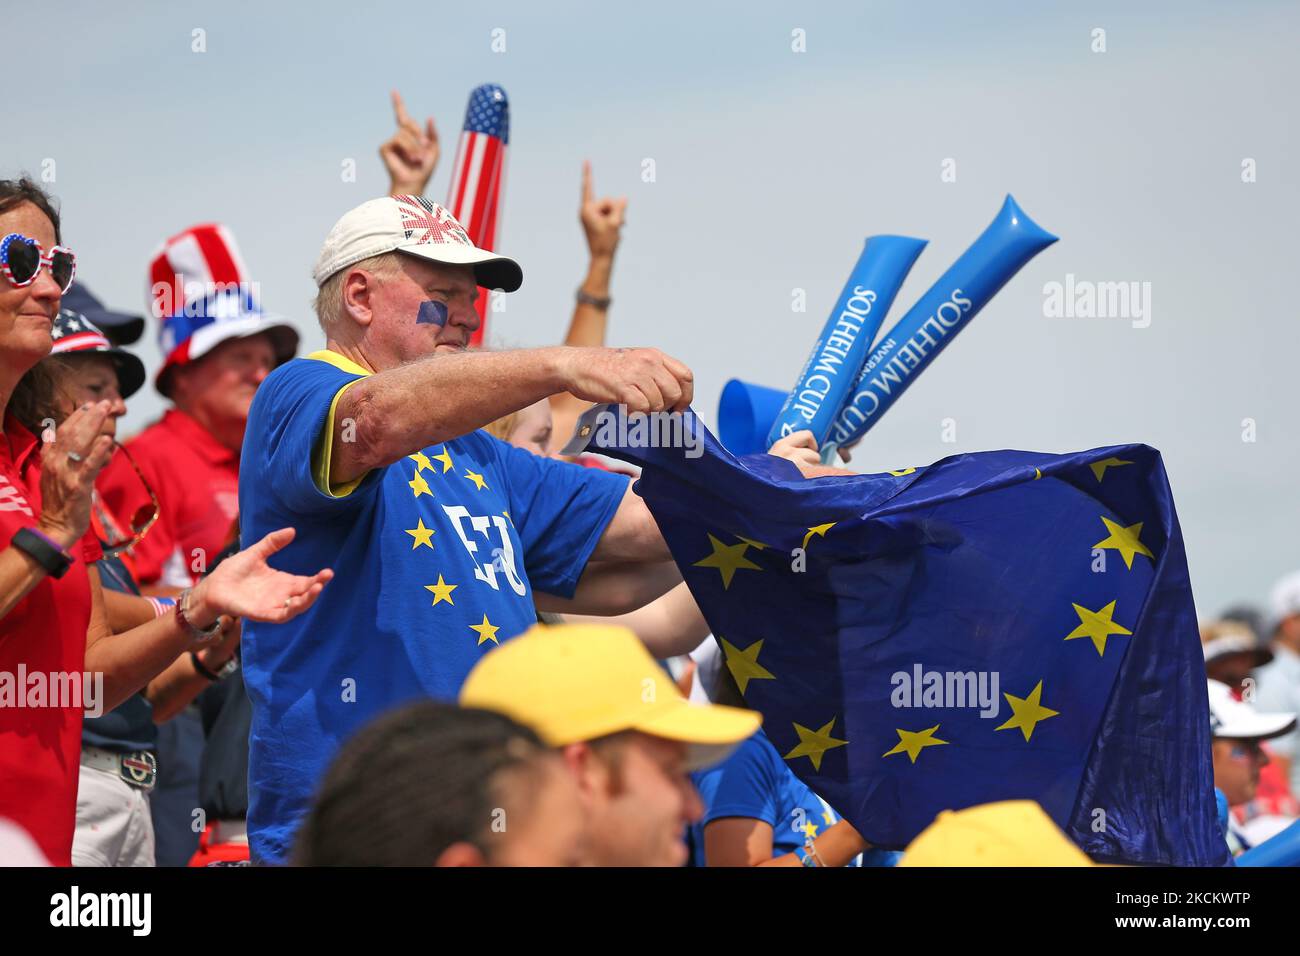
[
  {"x": 358, "y": 293},
  {"x": 587, "y": 769},
  {"x": 461, "y": 854}
]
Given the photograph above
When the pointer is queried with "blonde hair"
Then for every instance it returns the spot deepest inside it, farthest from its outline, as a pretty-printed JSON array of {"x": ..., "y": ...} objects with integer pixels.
[
  {"x": 503, "y": 427},
  {"x": 329, "y": 298}
]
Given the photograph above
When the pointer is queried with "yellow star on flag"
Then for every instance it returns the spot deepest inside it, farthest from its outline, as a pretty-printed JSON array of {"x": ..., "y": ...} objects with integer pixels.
[
  {"x": 486, "y": 632},
  {"x": 419, "y": 485},
  {"x": 421, "y": 461},
  {"x": 814, "y": 743},
  {"x": 913, "y": 742},
  {"x": 1099, "y": 467},
  {"x": 744, "y": 665},
  {"x": 727, "y": 558},
  {"x": 819, "y": 530},
  {"x": 902, "y": 471},
  {"x": 445, "y": 458},
  {"x": 475, "y": 477},
  {"x": 1125, "y": 541},
  {"x": 1026, "y": 712},
  {"x": 1037, "y": 474},
  {"x": 441, "y": 592},
  {"x": 758, "y": 545},
  {"x": 421, "y": 534},
  {"x": 1096, "y": 625}
]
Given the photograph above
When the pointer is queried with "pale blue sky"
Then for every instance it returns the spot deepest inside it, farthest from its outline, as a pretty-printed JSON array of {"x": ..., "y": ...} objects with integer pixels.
[{"x": 772, "y": 167}]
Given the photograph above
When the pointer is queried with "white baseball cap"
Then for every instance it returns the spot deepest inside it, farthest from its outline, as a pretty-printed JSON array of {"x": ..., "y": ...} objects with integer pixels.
[
  {"x": 1285, "y": 598},
  {"x": 1238, "y": 720},
  {"x": 418, "y": 227}
]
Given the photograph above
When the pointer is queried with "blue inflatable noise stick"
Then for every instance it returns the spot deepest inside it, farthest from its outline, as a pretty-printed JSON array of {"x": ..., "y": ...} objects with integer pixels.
[
  {"x": 1010, "y": 241},
  {"x": 841, "y": 349}
]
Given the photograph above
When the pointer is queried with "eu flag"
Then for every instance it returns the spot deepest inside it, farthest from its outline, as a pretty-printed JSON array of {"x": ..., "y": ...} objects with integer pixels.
[{"x": 994, "y": 626}]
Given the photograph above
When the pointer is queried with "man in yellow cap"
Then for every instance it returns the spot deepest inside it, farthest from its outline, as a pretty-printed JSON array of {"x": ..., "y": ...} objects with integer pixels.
[
  {"x": 626, "y": 732},
  {"x": 1008, "y": 833}
]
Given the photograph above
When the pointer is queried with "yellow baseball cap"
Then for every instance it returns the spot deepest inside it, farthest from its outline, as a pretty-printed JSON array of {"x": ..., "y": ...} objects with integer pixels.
[
  {"x": 577, "y": 682},
  {"x": 1009, "y": 833}
]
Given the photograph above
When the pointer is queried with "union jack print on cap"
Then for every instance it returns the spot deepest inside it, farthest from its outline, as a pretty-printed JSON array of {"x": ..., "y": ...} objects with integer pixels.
[{"x": 417, "y": 226}]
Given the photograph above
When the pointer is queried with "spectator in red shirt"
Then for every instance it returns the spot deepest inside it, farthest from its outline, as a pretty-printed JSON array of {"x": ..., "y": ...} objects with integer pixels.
[
  {"x": 54, "y": 661},
  {"x": 219, "y": 345}
]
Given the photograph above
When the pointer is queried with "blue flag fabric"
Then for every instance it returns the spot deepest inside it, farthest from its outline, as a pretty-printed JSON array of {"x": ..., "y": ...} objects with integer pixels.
[{"x": 994, "y": 626}]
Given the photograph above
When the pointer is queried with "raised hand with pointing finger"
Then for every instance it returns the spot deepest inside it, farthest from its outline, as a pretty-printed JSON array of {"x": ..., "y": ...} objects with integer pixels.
[
  {"x": 602, "y": 219},
  {"x": 411, "y": 155}
]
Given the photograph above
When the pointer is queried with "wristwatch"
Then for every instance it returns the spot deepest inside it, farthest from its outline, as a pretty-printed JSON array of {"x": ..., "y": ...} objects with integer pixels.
[
  {"x": 221, "y": 673},
  {"x": 200, "y": 634},
  {"x": 44, "y": 551},
  {"x": 600, "y": 302}
]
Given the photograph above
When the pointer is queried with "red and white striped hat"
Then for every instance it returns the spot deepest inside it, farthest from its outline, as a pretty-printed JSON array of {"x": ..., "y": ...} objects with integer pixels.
[{"x": 201, "y": 294}]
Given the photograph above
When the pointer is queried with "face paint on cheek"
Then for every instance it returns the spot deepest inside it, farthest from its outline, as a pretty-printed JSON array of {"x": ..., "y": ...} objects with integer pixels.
[{"x": 432, "y": 313}]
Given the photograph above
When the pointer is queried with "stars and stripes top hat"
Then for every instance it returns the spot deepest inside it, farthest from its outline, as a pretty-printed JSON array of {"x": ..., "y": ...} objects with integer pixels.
[
  {"x": 418, "y": 227},
  {"x": 73, "y": 333},
  {"x": 201, "y": 294}
]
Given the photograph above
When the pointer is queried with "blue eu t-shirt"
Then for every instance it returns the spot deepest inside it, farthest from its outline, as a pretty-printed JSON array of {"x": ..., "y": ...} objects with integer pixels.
[
  {"x": 755, "y": 782},
  {"x": 435, "y": 558}
]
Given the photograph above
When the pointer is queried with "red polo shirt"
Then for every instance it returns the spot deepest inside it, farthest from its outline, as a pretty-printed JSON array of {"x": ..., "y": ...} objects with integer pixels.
[
  {"x": 196, "y": 479},
  {"x": 45, "y": 635}
]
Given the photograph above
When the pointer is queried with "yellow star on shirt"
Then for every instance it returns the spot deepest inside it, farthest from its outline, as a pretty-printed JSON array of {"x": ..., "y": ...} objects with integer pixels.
[
  {"x": 743, "y": 664},
  {"x": 475, "y": 477},
  {"x": 810, "y": 830},
  {"x": 727, "y": 558},
  {"x": 1099, "y": 467},
  {"x": 1125, "y": 541},
  {"x": 813, "y": 743},
  {"x": 419, "y": 485},
  {"x": 1027, "y": 712},
  {"x": 913, "y": 742},
  {"x": 445, "y": 458},
  {"x": 421, "y": 461},
  {"x": 441, "y": 592},
  {"x": 828, "y": 817},
  {"x": 1096, "y": 625},
  {"x": 421, "y": 534},
  {"x": 486, "y": 631},
  {"x": 818, "y": 530}
]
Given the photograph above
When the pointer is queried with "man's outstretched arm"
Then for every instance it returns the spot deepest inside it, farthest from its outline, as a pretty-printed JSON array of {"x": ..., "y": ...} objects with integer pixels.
[{"x": 386, "y": 416}]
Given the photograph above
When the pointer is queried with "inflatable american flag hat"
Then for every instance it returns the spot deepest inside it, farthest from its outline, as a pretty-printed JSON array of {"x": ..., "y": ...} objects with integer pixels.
[{"x": 201, "y": 295}]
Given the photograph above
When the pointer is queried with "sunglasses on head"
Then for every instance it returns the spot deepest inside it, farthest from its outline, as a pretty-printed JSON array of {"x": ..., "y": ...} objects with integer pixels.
[
  {"x": 21, "y": 259},
  {"x": 144, "y": 517}
]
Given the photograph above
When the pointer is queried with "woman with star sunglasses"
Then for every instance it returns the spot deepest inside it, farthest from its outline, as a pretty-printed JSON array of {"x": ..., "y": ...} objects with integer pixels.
[{"x": 53, "y": 622}]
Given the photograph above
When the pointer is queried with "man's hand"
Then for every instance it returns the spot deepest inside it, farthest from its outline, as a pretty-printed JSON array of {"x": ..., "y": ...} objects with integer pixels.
[
  {"x": 602, "y": 219},
  {"x": 645, "y": 380},
  {"x": 411, "y": 155}
]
